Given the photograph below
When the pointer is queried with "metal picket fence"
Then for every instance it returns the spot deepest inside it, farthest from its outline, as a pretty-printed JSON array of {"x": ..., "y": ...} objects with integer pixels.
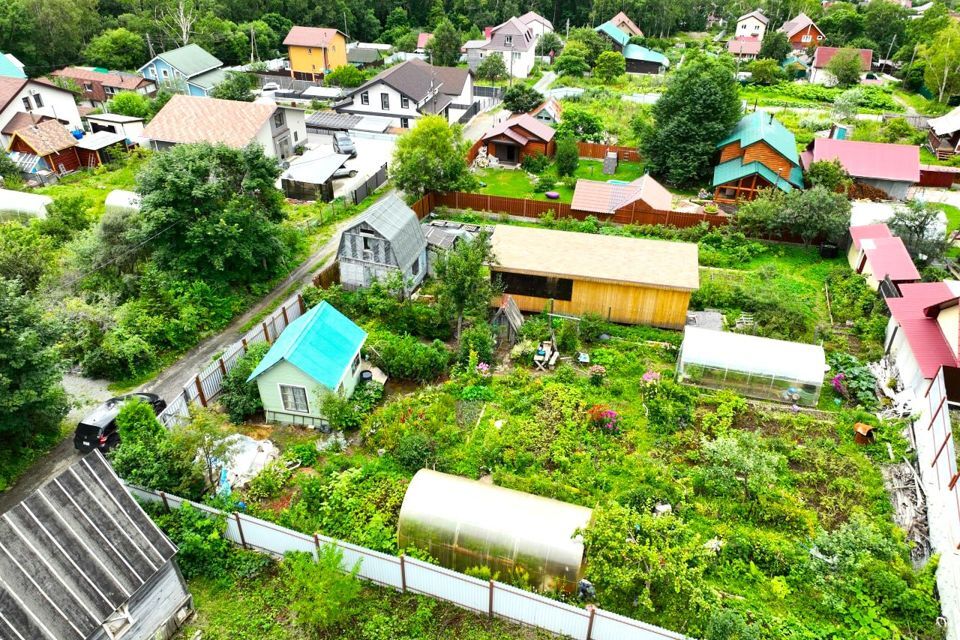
[
  {"x": 206, "y": 385},
  {"x": 410, "y": 575}
]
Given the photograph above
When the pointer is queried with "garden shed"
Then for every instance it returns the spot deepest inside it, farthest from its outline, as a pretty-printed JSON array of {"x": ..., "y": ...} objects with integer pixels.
[
  {"x": 753, "y": 366},
  {"x": 17, "y": 204},
  {"x": 464, "y": 523},
  {"x": 628, "y": 280}
]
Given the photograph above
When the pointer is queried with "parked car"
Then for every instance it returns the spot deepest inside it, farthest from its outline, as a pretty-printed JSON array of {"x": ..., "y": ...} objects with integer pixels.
[
  {"x": 270, "y": 86},
  {"x": 343, "y": 144},
  {"x": 99, "y": 429},
  {"x": 344, "y": 172}
]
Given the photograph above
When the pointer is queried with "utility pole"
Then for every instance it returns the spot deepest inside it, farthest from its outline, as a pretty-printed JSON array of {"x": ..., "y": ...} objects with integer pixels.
[
  {"x": 347, "y": 33},
  {"x": 890, "y": 49},
  {"x": 150, "y": 47},
  {"x": 254, "y": 54},
  {"x": 568, "y": 29}
]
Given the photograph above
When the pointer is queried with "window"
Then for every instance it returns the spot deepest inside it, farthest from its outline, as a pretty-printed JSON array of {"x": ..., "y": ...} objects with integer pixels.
[
  {"x": 365, "y": 98},
  {"x": 38, "y": 100},
  {"x": 385, "y": 101},
  {"x": 278, "y": 118},
  {"x": 508, "y": 41},
  {"x": 537, "y": 286},
  {"x": 404, "y": 123},
  {"x": 165, "y": 73},
  {"x": 295, "y": 137},
  {"x": 415, "y": 268},
  {"x": 26, "y": 104},
  {"x": 88, "y": 86},
  {"x": 819, "y": 37},
  {"x": 404, "y": 102},
  {"x": 356, "y": 363},
  {"x": 806, "y": 38},
  {"x": 294, "y": 398},
  {"x": 516, "y": 56}
]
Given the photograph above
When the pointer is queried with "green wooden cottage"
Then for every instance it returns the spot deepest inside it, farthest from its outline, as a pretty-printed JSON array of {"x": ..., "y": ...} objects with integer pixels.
[{"x": 318, "y": 353}]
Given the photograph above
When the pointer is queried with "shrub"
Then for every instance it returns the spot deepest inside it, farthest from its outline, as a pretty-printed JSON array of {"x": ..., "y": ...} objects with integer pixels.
[
  {"x": 567, "y": 157},
  {"x": 271, "y": 480},
  {"x": 404, "y": 357},
  {"x": 568, "y": 338},
  {"x": 345, "y": 413},
  {"x": 200, "y": 537},
  {"x": 305, "y": 453},
  {"x": 322, "y": 596},
  {"x": 241, "y": 398},
  {"x": 415, "y": 451},
  {"x": 478, "y": 339},
  {"x": 535, "y": 163},
  {"x": 669, "y": 406},
  {"x": 544, "y": 183}
]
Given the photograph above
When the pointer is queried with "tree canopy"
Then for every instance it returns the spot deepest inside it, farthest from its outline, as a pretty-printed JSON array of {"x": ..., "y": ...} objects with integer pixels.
[
  {"x": 236, "y": 86},
  {"x": 444, "y": 47},
  {"x": 431, "y": 156},
  {"x": 699, "y": 107},
  {"x": 846, "y": 67},
  {"x": 521, "y": 98},
  {"x": 116, "y": 49}
]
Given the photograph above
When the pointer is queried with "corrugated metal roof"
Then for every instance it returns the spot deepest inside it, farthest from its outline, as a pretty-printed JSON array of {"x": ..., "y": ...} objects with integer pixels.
[
  {"x": 636, "y": 52},
  {"x": 190, "y": 60},
  {"x": 73, "y": 552},
  {"x": 614, "y": 32},
  {"x": 397, "y": 223},
  {"x": 798, "y": 24},
  {"x": 868, "y": 231},
  {"x": 923, "y": 334},
  {"x": 823, "y": 55},
  {"x": 311, "y": 37},
  {"x": 746, "y": 46},
  {"x": 874, "y": 160},
  {"x": 315, "y": 167},
  {"x": 526, "y": 122},
  {"x": 761, "y": 126},
  {"x": 888, "y": 257},
  {"x": 606, "y": 197},
  {"x": 734, "y": 169},
  {"x": 333, "y": 120},
  {"x": 321, "y": 343}
]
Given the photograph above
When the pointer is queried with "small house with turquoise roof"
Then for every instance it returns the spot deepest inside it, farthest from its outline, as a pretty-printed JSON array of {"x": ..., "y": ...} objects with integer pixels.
[
  {"x": 318, "y": 353},
  {"x": 639, "y": 59},
  {"x": 190, "y": 70},
  {"x": 760, "y": 153}
]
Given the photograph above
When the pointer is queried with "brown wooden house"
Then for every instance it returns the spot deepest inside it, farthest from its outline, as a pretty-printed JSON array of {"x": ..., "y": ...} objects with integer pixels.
[
  {"x": 51, "y": 142},
  {"x": 522, "y": 135},
  {"x": 802, "y": 32},
  {"x": 628, "y": 280},
  {"x": 943, "y": 137},
  {"x": 760, "y": 153}
]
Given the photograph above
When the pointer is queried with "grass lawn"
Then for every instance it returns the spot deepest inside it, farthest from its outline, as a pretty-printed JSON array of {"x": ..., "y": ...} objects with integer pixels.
[
  {"x": 921, "y": 104},
  {"x": 94, "y": 185},
  {"x": 516, "y": 183}
]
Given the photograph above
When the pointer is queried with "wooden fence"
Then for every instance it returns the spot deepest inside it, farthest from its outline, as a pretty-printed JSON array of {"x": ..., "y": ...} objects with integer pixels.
[
  {"x": 369, "y": 185},
  {"x": 525, "y": 208},
  {"x": 409, "y": 575},
  {"x": 599, "y": 151}
]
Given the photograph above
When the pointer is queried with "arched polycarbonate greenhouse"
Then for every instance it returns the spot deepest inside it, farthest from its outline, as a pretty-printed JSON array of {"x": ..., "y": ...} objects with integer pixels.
[
  {"x": 753, "y": 366},
  {"x": 120, "y": 200},
  {"x": 16, "y": 205},
  {"x": 464, "y": 523}
]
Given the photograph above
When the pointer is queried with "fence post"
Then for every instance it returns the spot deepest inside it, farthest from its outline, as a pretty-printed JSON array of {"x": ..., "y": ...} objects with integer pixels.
[
  {"x": 203, "y": 397},
  {"x": 266, "y": 332},
  {"x": 243, "y": 541},
  {"x": 243, "y": 341},
  {"x": 283, "y": 311},
  {"x": 316, "y": 544},
  {"x": 490, "y": 601},
  {"x": 403, "y": 574},
  {"x": 303, "y": 305},
  {"x": 223, "y": 367},
  {"x": 186, "y": 396},
  {"x": 593, "y": 611},
  {"x": 163, "y": 498}
]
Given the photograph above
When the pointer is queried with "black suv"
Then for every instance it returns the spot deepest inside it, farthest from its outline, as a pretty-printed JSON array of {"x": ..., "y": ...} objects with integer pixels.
[{"x": 99, "y": 429}]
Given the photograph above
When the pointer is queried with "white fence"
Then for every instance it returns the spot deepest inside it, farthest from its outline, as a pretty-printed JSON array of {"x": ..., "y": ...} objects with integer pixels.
[
  {"x": 415, "y": 576},
  {"x": 937, "y": 457},
  {"x": 207, "y": 385}
]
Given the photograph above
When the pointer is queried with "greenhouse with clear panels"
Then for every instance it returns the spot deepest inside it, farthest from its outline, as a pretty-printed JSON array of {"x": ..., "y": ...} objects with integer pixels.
[
  {"x": 19, "y": 205},
  {"x": 753, "y": 366}
]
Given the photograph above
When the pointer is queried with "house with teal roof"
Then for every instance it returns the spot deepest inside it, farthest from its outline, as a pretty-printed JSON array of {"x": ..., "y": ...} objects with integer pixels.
[
  {"x": 639, "y": 59},
  {"x": 190, "y": 69},
  {"x": 10, "y": 67},
  {"x": 318, "y": 353},
  {"x": 760, "y": 153}
]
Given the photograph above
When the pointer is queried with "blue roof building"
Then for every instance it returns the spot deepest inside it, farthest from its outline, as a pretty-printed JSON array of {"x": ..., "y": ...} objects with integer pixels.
[
  {"x": 759, "y": 153},
  {"x": 639, "y": 59},
  {"x": 318, "y": 353},
  {"x": 10, "y": 67}
]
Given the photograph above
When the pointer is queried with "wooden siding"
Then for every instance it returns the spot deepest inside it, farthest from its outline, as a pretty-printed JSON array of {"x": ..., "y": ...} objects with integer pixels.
[
  {"x": 68, "y": 157},
  {"x": 811, "y": 30},
  {"x": 764, "y": 154},
  {"x": 628, "y": 304},
  {"x": 745, "y": 188}
]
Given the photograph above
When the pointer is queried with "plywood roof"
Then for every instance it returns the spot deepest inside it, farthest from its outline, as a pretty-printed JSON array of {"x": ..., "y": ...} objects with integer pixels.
[{"x": 601, "y": 258}]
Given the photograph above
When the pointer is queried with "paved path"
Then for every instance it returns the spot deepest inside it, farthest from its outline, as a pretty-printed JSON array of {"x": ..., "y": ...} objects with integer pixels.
[
  {"x": 85, "y": 393},
  {"x": 545, "y": 81}
]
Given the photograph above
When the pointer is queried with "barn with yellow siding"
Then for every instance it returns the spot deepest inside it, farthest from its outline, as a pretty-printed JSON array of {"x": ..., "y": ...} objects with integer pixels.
[{"x": 625, "y": 280}]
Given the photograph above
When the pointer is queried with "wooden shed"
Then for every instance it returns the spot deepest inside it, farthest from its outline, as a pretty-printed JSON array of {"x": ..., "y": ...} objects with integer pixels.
[
  {"x": 51, "y": 142},
  {"x": 522, "y": 135},
  {"x": 626, "y": 280}
]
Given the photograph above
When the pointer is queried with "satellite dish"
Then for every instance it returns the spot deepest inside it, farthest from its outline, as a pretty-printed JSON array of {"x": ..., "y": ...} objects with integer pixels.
[{"x": 284, "y": 165}]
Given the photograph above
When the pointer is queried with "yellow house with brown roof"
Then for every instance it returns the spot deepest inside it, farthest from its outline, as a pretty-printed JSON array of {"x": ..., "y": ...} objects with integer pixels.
[{"x": 315, "y": 51}]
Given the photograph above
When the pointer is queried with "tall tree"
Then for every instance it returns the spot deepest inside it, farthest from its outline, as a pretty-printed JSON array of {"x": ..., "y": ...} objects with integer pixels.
[
  {"x": 62, "y": 29},
  {"x": 700, "y": 106},
  {"x": 841, "y": 23},
  {"x": 213, "y": 212},
  {"x": 775, "y": 46},
  {"x": 236, "y": 86},
  {"x": 463, "y": 280},
  {"x": 885, "y": 23},
  {"x": 846, "y": 66},
  {"x": 444, "y": 46},
  {"x": 942, "y": 58},
  {"x": 919, "y": 225},
  {"x": 431, "y": 157},
  {"x": 116, "y": 49},
  {"x": 32, "y": 400}
]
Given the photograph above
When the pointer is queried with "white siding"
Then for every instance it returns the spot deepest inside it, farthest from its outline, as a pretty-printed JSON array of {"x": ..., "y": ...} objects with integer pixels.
[
  {"x": 56, "y": 104},
  {"x": 395, "y": 111},
  {"x": 751, "y": 27}
]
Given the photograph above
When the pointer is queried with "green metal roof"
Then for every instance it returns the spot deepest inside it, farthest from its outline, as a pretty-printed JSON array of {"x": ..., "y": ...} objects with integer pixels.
[
  {"x": 636, "y": 52},
  {"x": 733, "y": 170},
  {"x": 761, "y": 126},
  {"x": 209, "y": 80},
  {"x": 190, "y": 60},
  {"x": 321, "y": 343},
  {"x": 614, "y": 32}
]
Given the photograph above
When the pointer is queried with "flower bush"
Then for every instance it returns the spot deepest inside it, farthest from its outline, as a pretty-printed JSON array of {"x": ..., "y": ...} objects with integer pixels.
[
  {"x": 597, "y": 373},
  {"x": 604, "y": 418}
]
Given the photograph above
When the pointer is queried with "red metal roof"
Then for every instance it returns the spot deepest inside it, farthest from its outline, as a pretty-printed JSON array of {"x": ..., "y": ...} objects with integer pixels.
[
  {"x": 422, "y": 39},
  {"x": 603, "y": 197},
  {"x": 869, "y": 231},
  {"x": 823, "y": 55},
  {"x": 889, "y": 257},
  {"x": 923, "y": 333},
  {"x": 519, "y": 125},
  {"x": 876, "y": 160},
  {"x": 748, "y": 45},
  {"x": 311, "y": 37}
]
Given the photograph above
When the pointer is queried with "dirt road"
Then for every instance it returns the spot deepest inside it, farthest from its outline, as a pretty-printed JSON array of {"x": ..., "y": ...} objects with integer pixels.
[{"x": 85, "y": 393}]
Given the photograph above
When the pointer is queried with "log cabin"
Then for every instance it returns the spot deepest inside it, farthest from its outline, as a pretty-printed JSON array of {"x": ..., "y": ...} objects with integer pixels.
[
  {"x": 516, "y": 138},
  {"x": 51, "y": 143},
  {"x": 760, "y": 153},
  {"x": 802, "y": 32},
  {"x": 622, "y": 279}
]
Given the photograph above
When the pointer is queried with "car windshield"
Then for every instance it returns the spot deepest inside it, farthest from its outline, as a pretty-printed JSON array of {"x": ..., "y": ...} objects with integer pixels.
[{"x": 88, "y": 430}]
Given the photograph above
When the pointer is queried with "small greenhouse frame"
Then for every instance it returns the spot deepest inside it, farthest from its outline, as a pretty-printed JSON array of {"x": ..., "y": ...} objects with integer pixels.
[
  {"x": 16, "y": 205},
  {"x": 464, "y": 523},
  {"x": 753, "y": 366}
]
